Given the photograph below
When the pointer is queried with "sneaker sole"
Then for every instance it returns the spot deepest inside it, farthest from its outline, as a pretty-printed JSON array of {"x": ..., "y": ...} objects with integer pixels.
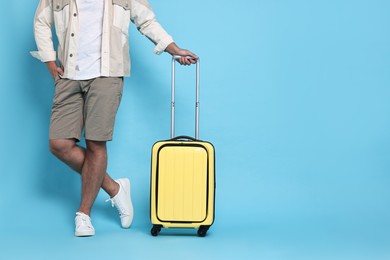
[{"x": 84, "y": 233}]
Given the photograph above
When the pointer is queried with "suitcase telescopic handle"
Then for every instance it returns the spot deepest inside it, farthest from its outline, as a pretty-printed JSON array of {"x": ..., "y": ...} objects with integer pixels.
[{"x": 174, "y": 59}]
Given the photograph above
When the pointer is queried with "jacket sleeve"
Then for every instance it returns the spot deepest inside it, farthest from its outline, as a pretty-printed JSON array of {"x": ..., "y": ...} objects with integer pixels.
[
  {"x": 142, "y": 15},
  {"x": 43, "y": 22}
]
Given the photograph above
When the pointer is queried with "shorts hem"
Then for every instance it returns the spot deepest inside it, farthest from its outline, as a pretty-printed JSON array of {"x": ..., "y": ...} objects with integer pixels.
[
  {"x": 98, "y": 138},
  {"x": 77, "y": 138}
]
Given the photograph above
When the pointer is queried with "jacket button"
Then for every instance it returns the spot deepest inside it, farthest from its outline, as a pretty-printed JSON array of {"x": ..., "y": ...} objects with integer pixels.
[
  {"x": 72, "y": 34},
  {"x": 71, "y": 55},
  {"x": 58, "y": 7},
  {"x": 74, "y": 14}
]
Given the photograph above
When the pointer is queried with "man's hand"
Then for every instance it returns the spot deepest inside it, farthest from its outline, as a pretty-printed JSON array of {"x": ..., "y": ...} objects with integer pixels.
[
  {"x": 187, "y": 57},
  {"x": 54, "y": 70}
]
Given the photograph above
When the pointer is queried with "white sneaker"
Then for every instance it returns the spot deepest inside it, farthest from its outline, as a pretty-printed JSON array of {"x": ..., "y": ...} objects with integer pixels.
[
  {"x": 84, "y": 226},
  {"x": 122, "y": 201}
]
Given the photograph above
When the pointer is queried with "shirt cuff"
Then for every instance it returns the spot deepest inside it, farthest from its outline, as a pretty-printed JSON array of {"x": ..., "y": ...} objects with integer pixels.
[
  {"x": 44, "y": 56},
  {"x": 162, "y": 45}
]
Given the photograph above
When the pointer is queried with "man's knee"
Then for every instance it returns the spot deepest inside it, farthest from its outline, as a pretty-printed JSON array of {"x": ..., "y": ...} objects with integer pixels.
[
  {"x": 96, "y": 146},
  {"x": 60, "y": 147}
]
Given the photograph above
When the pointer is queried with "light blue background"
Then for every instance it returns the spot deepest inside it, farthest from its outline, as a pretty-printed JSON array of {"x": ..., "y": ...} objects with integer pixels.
[{"x": 295, "y": 98}]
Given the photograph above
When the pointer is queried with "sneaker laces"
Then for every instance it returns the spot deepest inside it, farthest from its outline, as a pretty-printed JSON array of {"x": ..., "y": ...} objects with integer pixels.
[
  {"x": 83, "y": 220},
  {"x": 118, "y": 206}
]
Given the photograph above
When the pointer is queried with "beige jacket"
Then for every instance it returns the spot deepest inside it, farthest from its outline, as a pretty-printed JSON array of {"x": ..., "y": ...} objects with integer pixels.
[{"x": 115, "y": 58}]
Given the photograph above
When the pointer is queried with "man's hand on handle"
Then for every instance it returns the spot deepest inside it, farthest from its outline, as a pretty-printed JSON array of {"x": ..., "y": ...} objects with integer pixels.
[{"x": 187, "y": 57}]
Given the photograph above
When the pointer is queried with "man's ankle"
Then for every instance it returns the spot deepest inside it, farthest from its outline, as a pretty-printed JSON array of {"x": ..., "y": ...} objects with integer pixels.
[
  {"x": 84, "y": 211},
  {"x": 115, "y": 189}
]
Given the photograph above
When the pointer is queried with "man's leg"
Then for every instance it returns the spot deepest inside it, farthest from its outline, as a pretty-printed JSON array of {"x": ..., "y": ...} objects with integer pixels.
[
  {"x": 74, "y": 156},
  {"x": 92, "y": 174},
  {"x": 78, "y": 158}
]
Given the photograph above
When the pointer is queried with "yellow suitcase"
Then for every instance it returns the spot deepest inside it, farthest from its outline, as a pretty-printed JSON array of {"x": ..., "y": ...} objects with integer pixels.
[{"x": 182, "y": 186}]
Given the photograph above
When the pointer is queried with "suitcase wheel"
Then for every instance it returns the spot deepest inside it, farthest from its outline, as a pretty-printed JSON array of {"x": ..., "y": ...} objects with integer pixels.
[
  {"x": 155, "y": 230},
  {"x": 203, "y": 230}
]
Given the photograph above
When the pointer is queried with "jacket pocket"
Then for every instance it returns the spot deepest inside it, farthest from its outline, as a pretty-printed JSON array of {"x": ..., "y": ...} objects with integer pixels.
[
  {"x": 121, "y": 17},
  {"x": 61, "y": 14}
]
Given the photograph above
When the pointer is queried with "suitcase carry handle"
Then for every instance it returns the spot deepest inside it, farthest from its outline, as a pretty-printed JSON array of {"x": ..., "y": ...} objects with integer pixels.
[
  {"x": 174, "y": 59},
  {"x": 183, "y": 137}
]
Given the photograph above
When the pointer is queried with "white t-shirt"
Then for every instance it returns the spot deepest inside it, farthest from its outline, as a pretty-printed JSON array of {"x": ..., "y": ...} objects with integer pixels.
[{"x": 89, "y": 39}]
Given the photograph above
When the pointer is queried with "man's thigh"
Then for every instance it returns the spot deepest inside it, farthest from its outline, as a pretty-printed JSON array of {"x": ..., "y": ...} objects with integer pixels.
[
  {"x": 66, "y": 120},
  {"x": 102, "y": 99}
]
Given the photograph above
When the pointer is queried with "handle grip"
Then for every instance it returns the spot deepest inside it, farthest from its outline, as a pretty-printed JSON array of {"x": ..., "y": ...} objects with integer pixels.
[{"x": 177, "y": 57}]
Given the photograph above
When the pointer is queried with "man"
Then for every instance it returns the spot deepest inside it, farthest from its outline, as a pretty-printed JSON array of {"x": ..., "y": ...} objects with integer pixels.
[{"x": 88, "y": 68}]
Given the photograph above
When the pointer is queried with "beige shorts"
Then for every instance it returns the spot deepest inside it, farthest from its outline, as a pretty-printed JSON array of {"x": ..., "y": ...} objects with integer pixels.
[{"x": 85, "y": 104}]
